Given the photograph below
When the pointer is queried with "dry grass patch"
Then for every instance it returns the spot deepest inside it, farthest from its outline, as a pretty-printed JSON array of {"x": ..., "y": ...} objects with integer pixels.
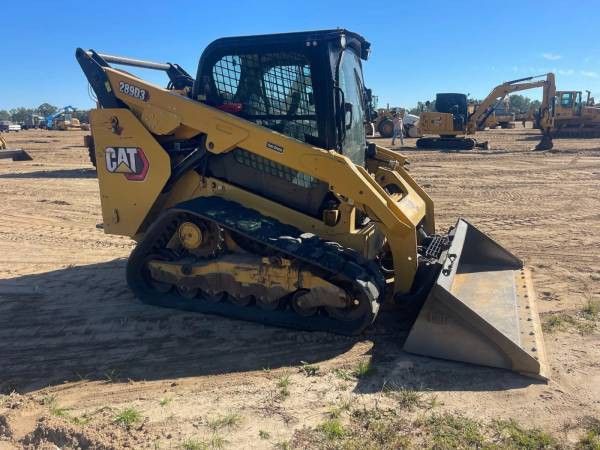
[
  {"x": 264, "y": 434},
  {"x": 363, "y": 369},
  {"x": 558, "y": 322},
  {"x": 229, "y": 420},
  {"x": 407, "y": 398},
  {"x": 452, "y": 431},
  {"x": 591, "y": 438},
  {"x": 583, "y": 322},
  {"x": 283, "y": 384},
  {"x": 591, "y": 309},
  {"x": 63, "y": 412},
  {"x": 332, "y": 429},
  {"x": 215, "y": 442},
  {"x": 366, "y": 429},
  {"x": 513, "y": 435},
  {"x": 309, "y": 370},
  {"x": 386, "y": 429},
  {"x": 343, "y": 374},
  {"x": 128, "y": 417}
]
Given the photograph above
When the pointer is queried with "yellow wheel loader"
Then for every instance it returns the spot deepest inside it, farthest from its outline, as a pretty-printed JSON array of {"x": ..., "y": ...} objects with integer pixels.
[
  {"x": 253, "y": 194},
  {"x": 453, "y": 121}
]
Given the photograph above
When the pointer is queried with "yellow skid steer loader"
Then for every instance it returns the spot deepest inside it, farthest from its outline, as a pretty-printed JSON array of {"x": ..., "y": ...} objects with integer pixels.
[{"x": 253, "y": 193}]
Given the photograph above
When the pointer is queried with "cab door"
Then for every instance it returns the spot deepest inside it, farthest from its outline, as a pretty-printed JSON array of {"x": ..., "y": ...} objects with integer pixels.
[{"x": 352, "y": 106}]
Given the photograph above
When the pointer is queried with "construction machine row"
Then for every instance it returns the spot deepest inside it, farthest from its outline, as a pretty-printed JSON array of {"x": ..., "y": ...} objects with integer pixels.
[{"x": 454, "y": 121}]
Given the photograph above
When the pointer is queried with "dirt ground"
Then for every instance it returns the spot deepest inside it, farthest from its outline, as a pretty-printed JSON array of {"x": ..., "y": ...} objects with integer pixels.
[{"x": 83, "y": 363}]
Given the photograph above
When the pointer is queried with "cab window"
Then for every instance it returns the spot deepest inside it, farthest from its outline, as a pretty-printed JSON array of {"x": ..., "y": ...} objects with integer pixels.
[
  {"x": 566, "y": 100},
  {"x": 351, "y": 84},
  {"x": 274, "y": 90}
]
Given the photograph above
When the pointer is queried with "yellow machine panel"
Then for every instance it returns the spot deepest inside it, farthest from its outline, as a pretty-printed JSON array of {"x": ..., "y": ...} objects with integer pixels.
[
  {"x": 437, "y": 123},
  {"x": 132, "y": 169}
]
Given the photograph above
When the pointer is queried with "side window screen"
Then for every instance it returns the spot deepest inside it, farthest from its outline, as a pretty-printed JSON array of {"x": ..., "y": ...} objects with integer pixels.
[
  {"x": 226, "y": 75},
  {"x": 565, "y": 100},
  {"x": 273, "y": 90},
  {"x": 272, "y": 168}
]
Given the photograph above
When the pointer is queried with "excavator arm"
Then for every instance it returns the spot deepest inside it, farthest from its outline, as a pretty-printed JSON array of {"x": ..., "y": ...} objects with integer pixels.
[
  {"x": 483, "y": 111},
  {"x": 546, "y": 116}
]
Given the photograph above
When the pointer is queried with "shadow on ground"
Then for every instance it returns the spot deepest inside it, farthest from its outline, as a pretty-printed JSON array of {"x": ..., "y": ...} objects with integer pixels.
[
  {"x": 66, "y": 173},
  {"x": 537, "y": 137},
  {"x": 393, "y": 369},
  {"x": 83, "y": 323},
  {"x": 531, "y": 137}
]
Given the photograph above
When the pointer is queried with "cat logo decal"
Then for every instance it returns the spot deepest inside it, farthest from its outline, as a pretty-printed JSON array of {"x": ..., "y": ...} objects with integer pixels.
[{"x": 130, "y": 161}]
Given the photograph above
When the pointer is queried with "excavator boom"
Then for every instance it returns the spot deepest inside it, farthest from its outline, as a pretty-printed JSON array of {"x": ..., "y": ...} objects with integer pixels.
[{"x": 486, "y": 107}]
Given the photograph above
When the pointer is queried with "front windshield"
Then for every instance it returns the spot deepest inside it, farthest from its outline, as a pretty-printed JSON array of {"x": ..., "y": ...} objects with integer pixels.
[{"x": 351, "y": 83}]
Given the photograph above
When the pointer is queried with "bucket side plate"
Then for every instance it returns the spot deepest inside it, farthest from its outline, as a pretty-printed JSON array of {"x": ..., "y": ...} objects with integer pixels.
[{"x": 481, "y": 310}]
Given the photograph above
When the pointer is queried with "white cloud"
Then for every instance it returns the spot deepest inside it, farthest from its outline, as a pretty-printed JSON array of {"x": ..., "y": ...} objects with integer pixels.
[
  {"x": 551, "y": 56},
  {"x": 589, "y": 73}
]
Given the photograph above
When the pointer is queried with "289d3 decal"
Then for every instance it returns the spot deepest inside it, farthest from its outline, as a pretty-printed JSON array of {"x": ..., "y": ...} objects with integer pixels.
[
  {"x": 130, "y": 161},
  {"x": 133, "y": 91}
]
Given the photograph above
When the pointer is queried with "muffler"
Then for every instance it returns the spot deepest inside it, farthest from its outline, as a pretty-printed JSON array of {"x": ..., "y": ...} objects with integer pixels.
[{"x": 481, "y": 309}]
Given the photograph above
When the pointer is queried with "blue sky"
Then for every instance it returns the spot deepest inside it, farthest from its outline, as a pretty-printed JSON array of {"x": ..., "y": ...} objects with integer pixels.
[{"x": 418, "y": 48}]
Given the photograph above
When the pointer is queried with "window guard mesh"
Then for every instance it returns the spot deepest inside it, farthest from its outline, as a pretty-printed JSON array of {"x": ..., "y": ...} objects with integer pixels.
[
  {"x": 274, "y": 89},
  {"x": 272, "y": 168}
]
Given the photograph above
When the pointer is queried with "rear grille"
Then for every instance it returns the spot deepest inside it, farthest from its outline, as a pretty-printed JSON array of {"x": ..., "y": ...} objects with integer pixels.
[{"x": 437, "y": 245}]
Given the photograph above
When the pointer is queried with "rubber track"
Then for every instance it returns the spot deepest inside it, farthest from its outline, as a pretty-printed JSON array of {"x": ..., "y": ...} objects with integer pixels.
[
  {"x": 575, "y": 133},
  {"x": 446, "y": 144},
  {"x": 348, "y": 265}
]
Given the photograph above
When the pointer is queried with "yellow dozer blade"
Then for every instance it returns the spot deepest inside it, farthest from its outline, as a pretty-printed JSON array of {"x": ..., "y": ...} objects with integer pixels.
[
  {"x": 481, "y": 310},
  {"x": 14, "y": 154}
]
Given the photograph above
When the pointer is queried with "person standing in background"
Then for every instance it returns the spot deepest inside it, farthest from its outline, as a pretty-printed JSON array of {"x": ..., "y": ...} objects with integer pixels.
[{"x": 398, "y": 129}]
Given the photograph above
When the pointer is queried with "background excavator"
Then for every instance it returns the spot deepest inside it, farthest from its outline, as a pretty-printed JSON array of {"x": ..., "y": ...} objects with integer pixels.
[
  {"x": 500, "y": 117},
  {"x": 64, "y": 120},
  {"x": 452, "y": 121},
  {"x": 252, "y": 193}
]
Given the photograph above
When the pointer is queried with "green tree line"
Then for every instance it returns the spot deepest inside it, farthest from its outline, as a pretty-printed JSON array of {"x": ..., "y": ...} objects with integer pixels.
[{"x": 18, "y": 115}]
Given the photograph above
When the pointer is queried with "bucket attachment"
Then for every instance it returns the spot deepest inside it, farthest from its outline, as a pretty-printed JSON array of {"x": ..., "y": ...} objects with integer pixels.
[
  {"x": 481, "y": 309},
  {"x": 545, "y": 143},
  {"x": 15, "y": 155}
]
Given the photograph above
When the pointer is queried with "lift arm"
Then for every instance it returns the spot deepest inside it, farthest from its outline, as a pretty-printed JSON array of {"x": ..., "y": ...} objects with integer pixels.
[{"x": 498, "y": 94}]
